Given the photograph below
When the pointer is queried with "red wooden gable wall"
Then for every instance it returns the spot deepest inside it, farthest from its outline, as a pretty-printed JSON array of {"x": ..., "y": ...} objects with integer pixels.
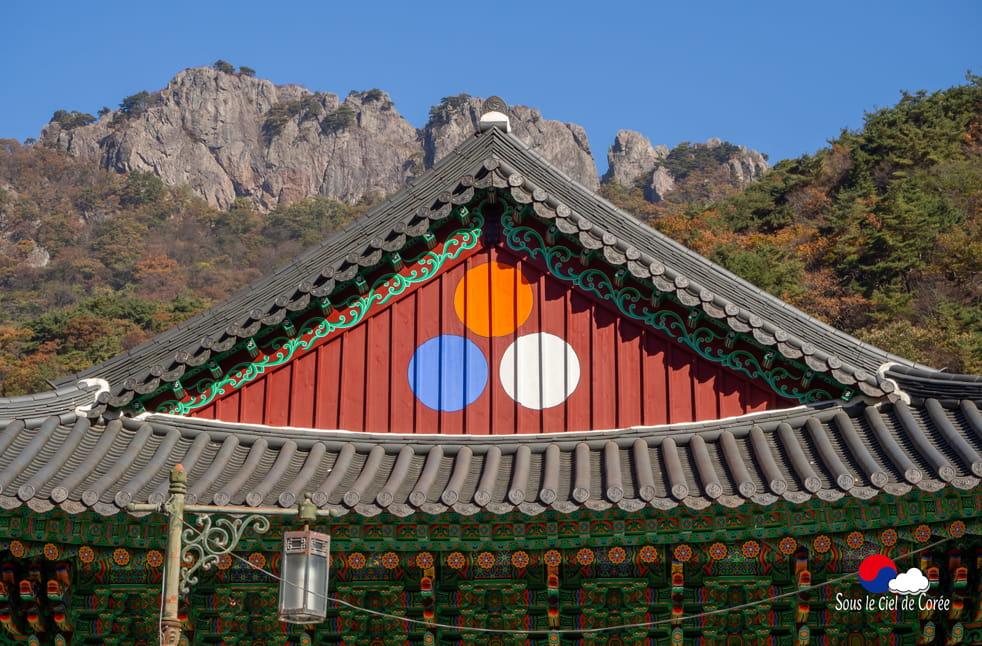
[{"x": 366, "y": 378}]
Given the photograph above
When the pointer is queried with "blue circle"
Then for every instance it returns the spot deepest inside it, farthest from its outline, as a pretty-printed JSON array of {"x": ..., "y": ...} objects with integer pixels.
[{"x": 448, "y": 372}]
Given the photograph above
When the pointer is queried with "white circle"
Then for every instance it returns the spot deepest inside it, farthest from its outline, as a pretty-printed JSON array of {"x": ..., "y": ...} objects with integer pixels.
[{"x": 539, "y": 370}]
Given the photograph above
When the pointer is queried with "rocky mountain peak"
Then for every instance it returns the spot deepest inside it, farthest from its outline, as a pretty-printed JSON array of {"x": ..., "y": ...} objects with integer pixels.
[
  {"x": 631, "y": 156},
  {"x": 658, "y": 171},
  {"x": 229, "y": 135},
  {"x": 564, "y": 144}
]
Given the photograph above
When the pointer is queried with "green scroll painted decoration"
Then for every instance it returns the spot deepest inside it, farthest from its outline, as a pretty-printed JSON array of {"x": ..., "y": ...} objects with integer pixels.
[
  {"x": 708, "y": 343},
  {"x": 283, "y": 349}
]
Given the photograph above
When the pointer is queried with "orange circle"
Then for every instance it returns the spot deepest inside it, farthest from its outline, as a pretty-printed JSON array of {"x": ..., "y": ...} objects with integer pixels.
[{"x": 493, "y": 299}]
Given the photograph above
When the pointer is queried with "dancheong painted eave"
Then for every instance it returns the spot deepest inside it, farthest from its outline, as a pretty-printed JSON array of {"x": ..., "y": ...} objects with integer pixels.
[
  {"x": 495, "y": 160},
  {"x": 77, "y": 463}
]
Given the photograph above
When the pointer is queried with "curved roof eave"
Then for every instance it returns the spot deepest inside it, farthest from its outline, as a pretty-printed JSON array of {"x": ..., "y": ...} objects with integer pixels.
[{"x": 795, "y": 455}]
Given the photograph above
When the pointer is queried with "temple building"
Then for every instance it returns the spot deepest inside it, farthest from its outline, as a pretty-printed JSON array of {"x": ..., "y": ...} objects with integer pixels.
[{"x": 534, "y": 419}]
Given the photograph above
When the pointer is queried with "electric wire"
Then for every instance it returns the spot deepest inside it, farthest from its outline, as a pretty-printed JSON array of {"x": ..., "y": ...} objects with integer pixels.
[{"x": 599, "y": 629}]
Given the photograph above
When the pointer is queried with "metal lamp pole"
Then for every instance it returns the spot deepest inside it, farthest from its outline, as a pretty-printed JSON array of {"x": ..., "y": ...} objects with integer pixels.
[
  {"x": 170, "y": 625},
  {"x": 190, "y": 549}
]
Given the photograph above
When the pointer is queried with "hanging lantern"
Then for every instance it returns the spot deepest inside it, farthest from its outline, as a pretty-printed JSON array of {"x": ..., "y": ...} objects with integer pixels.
[{"x": 304, "y": 570}]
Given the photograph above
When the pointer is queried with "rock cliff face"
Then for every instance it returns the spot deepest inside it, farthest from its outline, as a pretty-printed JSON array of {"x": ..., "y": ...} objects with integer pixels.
[
  {"x": 632, "y": 156},
  {"x": 231, "y": 136},
  {"x": 563, "y": 144},
  {"x": 228, "y": 136},
  {"x": 635, "y": 162}
]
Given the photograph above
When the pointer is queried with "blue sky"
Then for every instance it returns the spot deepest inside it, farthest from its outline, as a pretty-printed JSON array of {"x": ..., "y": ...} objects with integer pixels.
[{"x": 779, "y": 77}]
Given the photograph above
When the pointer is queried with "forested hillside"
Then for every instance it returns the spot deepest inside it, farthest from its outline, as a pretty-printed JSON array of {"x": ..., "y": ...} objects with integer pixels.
[
  {"x": 93, "y": 263},
  {"x": 879, "y": 234}
]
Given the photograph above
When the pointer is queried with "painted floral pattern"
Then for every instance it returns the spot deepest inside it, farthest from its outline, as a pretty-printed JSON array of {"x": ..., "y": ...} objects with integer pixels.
[
  {"x": 787, "y": 545},
  {"x": 922, "y": 534},
  {"x": 683, "y": 553},
  {"x": 822, "y": 544},
  {"x": 751, "y": 549},
  {"x": 648, "y": 554},
  {"x": 717, "y": 551},
  {"x": 456, "y": 560}
]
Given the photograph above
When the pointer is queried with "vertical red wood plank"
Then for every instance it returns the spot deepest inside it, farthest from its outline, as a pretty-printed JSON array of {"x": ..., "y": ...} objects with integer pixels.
[
  {"x": 352, "y": 413},
  {"x": 427, "y": 327},
  {"x": 530, "y": 420},
  {"x": 759, "y": 399},
  {"x": 379, "y": 373},
  {"x": 227, "y": 408},
  {"x": 328, "y": 385},
  {"x": 731, "y": 394},
  {"x": 680, "y": 388},
  {"x": 278, "y": 396},
  {"x": 206, "y": 412},
  {"x": 655, "y": 378},
  {"x": 504, "y": 409},
  {"x": 477, "y": 416},
  {"x": 579, "y": 325},
  {"x": 252, "y": 404},
  {"x": 629, "y": 384},
  {"x": 552, "y": 302},
  {"x": 450, "y": 323},
  {"x": 604, "y": 358},
  {"x": 402, "y": 346},
  {"x": 302, "y": 397},
  {"x": 704, "y": 390},
  {"x": 500, "y": 407}
]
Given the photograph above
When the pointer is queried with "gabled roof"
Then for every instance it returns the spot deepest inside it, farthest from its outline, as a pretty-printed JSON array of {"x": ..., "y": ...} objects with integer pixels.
[
  {"x": 496, "y": 159},
  {"x": 77, "y": 461},
  {"x": 58, "y": 449}
]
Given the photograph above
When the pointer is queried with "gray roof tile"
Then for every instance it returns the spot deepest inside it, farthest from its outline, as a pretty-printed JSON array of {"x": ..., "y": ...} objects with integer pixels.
[{"x": 826, "y": 452}]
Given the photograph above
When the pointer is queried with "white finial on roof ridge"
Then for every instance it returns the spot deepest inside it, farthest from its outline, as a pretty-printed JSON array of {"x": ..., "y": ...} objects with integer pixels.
[
  {"x": 494, "y": 114},
  {"x": 898, "y": 393},
  {"x": 103, "y": 387}
]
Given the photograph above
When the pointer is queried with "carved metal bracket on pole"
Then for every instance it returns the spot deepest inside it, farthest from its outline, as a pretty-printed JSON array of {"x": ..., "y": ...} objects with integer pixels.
[
  {"x": 204, "y": 547},
  {"x": 190, "y": 550}
]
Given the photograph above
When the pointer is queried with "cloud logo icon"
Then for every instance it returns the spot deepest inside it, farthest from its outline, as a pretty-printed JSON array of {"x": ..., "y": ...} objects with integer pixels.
[
  {"x": 912, "y": 581},
  {"x": 876, "y": 572}
]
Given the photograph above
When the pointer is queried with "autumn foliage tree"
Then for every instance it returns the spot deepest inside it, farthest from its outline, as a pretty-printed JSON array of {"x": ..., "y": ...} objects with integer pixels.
[{"x": 879, "y": 234}]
